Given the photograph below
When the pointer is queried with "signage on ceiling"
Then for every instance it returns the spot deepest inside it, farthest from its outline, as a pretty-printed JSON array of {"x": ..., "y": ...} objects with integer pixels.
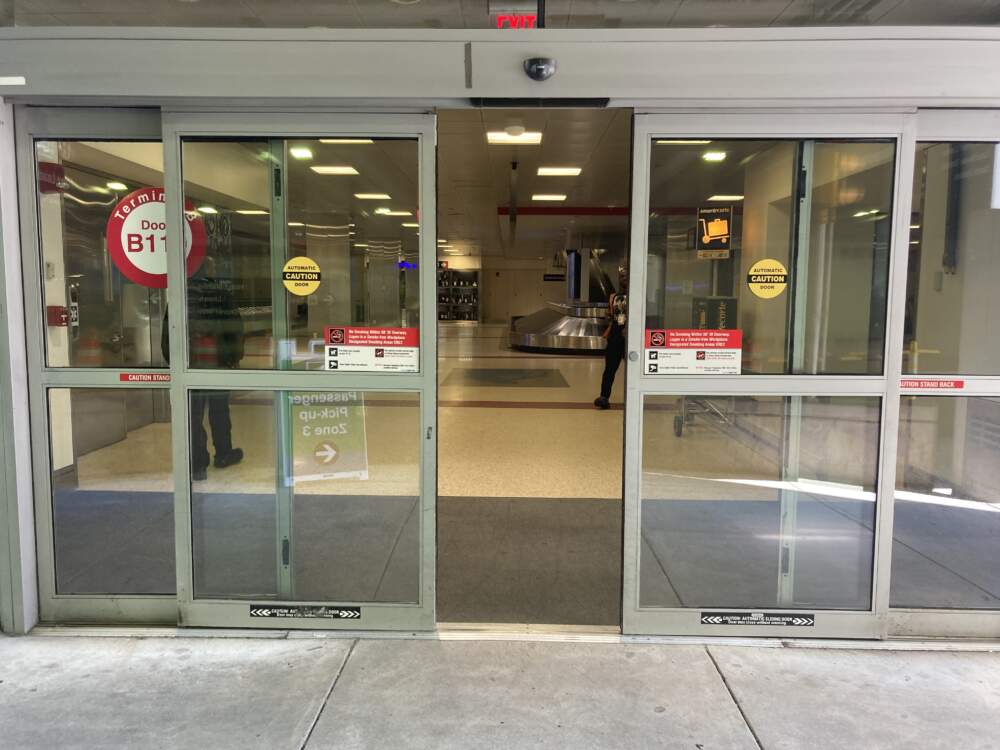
[{"x": 517, "y": 21}]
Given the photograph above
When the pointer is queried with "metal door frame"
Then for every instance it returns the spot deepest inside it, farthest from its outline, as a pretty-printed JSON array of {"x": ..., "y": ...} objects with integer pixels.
[
  {"x": 58, "y": 123},
  {"x": 955, "y": 126},
  {"x": 898, "y": 126},
  {"x": 236, "y": 613}
]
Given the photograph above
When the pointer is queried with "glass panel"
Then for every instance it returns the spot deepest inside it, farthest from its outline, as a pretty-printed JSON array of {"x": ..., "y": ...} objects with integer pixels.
[
  {"x": 99, "y": 312},
  {"x": 312, "y": 496},
  {"x": 812, "y": 218},
  {"x": 346, "y": 209},
  {"x": 112, "y": 490},
  {"x": 946, "y": 533},
  {"x": 953, "y": 274},
  {"x": 758, "y": 501}
]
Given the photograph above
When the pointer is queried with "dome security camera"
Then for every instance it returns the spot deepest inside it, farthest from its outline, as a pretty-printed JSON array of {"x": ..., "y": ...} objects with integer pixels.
[{"x": 540, "y": 68}]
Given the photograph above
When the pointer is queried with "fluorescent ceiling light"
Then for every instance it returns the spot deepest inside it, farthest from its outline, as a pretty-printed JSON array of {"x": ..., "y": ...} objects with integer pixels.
[
  {"x": 559, "y": 171},
  {"x": 13, "y": 81},
  {"x": 252, "y": 212},
  {"x": 296, "y": 224},
  {"x": 914, "y": 226},
  {"x": 410, "y": 224},
  {"x": 714, "y": 156},
  {"x": 548, "y": 197},
  {"x": 207, "y": 210},
  {"x": 681, "y": 142},
  {"x": 869, "y": 212},
  {"x": 118, "y": 186},
  {"x": 384, "y": 211},
  {"x": 373, "y": 196},
  {"x": 301, "y": 152},
  {"x": 725, "y": 197},
  {"x": 346, "y": 141},
  {"x": 360, "y": 244},
  {"x": 503, "y": 138},
  {"x": 318, "y": 169}
]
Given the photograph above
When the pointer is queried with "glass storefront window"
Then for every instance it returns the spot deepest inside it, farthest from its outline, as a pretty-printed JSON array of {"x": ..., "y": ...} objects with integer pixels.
[
  {"x": 812, "y": 216},
  {"x": 306, "y": 495},
  {"x": 946, "y": 532},
  {"x": 951, "y": 300},
  {"x": 344, "y": 209},
  {"x": 112, "y": 490},
  {"x": 763, "y": 501},
  {"x": 97, "y": 312}
]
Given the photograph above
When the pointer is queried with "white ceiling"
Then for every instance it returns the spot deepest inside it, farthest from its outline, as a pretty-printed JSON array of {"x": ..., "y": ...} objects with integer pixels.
[
  {"x": 476, "y": 13},
  {"x": 474, "y": 180}
]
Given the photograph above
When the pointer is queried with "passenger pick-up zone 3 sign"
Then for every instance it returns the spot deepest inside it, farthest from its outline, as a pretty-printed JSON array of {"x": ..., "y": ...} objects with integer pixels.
[{"x": 137, "y": 237}]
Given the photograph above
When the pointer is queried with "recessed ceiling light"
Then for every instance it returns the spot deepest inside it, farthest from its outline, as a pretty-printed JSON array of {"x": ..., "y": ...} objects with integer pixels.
[
  {"x": 301, "y": 152},
  {"x": 346, "y": 141},
  {"x": 559, "y": 171},
  {"x": 725, "y": 197},
  {"x": 411, "y": 224},
  {"x": 504, "y": 138},
  {"x": 548, "y": 197},
  {"x": 252, "y": 212},
  {"x": 207, "y": 210},
  {"x": 118, "y": 186},
  {"x": 681, "y": 142},
  {"x": 318, "y": 169},
  {"x": 714, "y": 156},
  {"x": 373, "y": 196}
]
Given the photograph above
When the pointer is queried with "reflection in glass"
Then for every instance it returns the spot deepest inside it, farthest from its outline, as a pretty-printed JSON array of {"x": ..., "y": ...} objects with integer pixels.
[
  {"x": 819, "y": 208},
  {"x": 349, "y": 205},
  {"x": 758, "y": 501},
  {"x": 946, "y": 532},
  {"x": 322, "y": 503},
  {"x": 112, "y": 490},
  {"x": 94, "y": 315},
  {"x": 953, "y": 274}
]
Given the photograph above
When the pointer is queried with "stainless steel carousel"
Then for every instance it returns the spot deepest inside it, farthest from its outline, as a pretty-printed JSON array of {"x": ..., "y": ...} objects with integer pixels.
[{"x": 573, "y": 326}]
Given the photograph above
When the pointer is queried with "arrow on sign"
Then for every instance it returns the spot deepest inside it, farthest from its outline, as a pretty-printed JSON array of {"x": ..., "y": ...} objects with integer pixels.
[
  {"x": 326, "y": 453},
  {"x": 259, "y": 612},
  {"x": 350, "y": 614}
]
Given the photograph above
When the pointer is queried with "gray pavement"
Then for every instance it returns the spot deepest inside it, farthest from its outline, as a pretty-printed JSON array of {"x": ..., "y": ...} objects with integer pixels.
[{"x": 321, "y": 692}]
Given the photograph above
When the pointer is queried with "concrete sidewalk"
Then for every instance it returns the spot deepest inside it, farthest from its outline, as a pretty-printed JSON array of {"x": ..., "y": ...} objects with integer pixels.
[{"x": 321, "y": 692}]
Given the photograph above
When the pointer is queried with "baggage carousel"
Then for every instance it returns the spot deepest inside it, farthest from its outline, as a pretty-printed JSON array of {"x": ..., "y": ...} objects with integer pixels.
[{"x": 572, "y": 327}]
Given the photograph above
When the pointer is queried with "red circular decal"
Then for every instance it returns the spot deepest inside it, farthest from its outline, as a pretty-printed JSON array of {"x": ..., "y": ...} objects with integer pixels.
[{"x": 137, "y": 237}]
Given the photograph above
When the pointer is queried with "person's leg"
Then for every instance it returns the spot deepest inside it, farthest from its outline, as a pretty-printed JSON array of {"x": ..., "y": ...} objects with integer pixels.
[
  {"x": 222, "y": 430},
  {"x": 612, "y": 360},
  {"x": 199, "y": 438}
]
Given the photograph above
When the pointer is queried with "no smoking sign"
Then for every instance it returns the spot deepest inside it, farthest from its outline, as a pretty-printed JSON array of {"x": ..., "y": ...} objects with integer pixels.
[{"x": 137, "y": 237}]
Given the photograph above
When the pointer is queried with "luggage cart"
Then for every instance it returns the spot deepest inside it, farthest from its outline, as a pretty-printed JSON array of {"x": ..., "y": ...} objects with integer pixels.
[{"x": 720, "y": 411}]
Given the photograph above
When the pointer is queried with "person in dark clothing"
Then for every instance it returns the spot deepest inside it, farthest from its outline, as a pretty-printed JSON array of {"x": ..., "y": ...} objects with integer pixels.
[
  {"x": 216, "y": 336},
  {"x": 614, "y": 352}
]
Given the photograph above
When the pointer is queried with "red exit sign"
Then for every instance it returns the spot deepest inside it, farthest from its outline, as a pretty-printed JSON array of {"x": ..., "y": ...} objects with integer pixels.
[{"x": 517, "y": 21}]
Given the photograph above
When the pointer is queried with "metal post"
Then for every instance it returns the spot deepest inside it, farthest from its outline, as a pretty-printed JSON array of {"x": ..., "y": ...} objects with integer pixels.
[{"x": 283, "y": 347}]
